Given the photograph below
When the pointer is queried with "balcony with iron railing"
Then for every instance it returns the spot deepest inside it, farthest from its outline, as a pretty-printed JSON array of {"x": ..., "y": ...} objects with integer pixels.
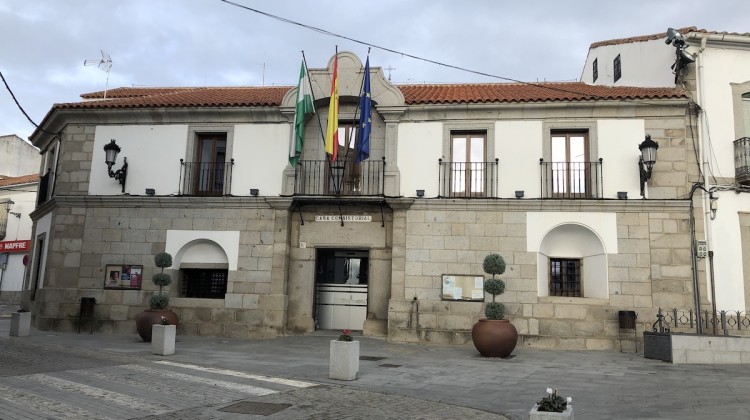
[
  {"x": 742, "y": 160},
  {"x": 341, "y": 178},
  {"x": 468, "y": 179},
  {"x": 208, "y": 179},
  {"x": 571, "y": 180}
]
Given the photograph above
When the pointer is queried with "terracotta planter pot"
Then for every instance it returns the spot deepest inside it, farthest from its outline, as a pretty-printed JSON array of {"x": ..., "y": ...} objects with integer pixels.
[
  {"x": 494, "y": 337},
  {"x": 151, "y": 317}
]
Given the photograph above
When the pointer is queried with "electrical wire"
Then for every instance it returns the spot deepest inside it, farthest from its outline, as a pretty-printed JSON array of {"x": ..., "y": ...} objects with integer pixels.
[
  {"x": 23, "y": 111},
  {"x": 415, "y": 57}
]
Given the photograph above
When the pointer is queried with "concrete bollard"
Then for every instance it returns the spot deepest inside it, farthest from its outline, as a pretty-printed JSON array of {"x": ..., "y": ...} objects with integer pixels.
[{"x": 20, "y": 324}]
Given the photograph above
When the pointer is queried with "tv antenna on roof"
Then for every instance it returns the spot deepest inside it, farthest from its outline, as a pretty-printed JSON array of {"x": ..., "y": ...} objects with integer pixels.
[{"x": 105, "y": 64}]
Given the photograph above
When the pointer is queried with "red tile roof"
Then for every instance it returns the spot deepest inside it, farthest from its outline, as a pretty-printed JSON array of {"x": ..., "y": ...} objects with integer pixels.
[
  {"x": 662, "y": 35},
  {"x": 18, "y": 180},
  {"x": 181, "y": 97},
  {"x": 529, "y": 92},
  {"x": 413, "y": 94}
]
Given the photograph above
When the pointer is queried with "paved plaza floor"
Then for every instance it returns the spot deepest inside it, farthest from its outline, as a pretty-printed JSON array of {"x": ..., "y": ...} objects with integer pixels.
[{"x": 70, "y": 375}]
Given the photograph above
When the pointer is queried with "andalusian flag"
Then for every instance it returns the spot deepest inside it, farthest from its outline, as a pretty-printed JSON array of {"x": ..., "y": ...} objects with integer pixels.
[
  {"x": 365, "y": 120},
  {"x": 332, "y": 132},
  {"x": 304, "y": 108}
]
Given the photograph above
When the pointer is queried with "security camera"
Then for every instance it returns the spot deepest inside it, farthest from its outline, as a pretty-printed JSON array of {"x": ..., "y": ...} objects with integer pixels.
[{"x": 674, "y": 36}]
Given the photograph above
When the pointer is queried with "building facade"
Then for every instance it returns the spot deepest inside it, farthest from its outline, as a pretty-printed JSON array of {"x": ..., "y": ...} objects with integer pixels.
[
  {"x": 714, "y": 67},
  {"x": 543, "y": 174},
  {"x": 19, "y": 164}
]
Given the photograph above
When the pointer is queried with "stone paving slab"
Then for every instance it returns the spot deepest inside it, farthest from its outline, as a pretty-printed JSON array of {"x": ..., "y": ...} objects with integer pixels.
[{"x": 603, "y": 384}]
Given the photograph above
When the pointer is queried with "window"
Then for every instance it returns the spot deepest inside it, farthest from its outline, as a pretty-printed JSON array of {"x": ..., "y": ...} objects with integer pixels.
[
  {"x": 565, "y": 277},
  {"x": 746, "y": 114},
  {"x": 346, "y": 174},
  {"x": 47, "y": 178},
  {"x": 617, "y": 68},
  {"x": 208, "y": 173},
  {"x": 595, "y": 69},
  {"x": 569, "y": 169},
  {"x": 205, "y": 284},
  {"x": 467, "y": 168}
]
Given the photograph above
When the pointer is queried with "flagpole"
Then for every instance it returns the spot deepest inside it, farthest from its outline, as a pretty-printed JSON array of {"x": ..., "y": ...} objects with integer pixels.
[
  {"x": 312, "y": 94},
  {"x": 356, "y": 111}
]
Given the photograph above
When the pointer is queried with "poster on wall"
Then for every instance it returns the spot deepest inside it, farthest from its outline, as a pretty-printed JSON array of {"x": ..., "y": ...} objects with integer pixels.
[
  {"x": 123, "y": 276},
  {"x": 463, "y": 287}
]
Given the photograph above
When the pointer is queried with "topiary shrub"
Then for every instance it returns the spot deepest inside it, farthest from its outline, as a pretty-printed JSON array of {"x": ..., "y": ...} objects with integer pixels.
[
  {"x": 160, "y": 301},
  {"x": 494, "y": 264}
]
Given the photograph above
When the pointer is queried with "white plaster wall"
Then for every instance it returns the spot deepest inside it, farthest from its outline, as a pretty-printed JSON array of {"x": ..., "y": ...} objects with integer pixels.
[
  {"x": 17, "y": 157},
  {"x": 575, "y": 241},
  {"x": 153, "y": 152},
  {"x": 419, "y": 148},
  {"x": 720, "y": 68},
  {"x": 727, "y": 246},
  {"x": 13, "y": 275},
  {"x": 20, "y": 228},
  {"x": 229, "y": 241},
  {"x": 260, "y": 152},
  {"x": 618, "y": 142},
  {"x": 646, "y": 64},
  {"x": 203, "y": 251},
  {"x": 518, "y": 144},
  {"x": 43, "y": 225},
  {"x": 604, "y": 225}
]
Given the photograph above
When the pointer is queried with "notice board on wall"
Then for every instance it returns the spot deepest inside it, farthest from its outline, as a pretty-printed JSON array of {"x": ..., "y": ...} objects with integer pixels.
[{"x": 463, "y": 287}]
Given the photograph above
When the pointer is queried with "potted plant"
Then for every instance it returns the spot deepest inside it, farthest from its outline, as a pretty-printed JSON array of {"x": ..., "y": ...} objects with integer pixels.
[
  {"x": 158, "y": 302},
  {"x": 494, "y": 336},
  {"x": 344, "y": 357},
  {"x": 552, "y": 406}
]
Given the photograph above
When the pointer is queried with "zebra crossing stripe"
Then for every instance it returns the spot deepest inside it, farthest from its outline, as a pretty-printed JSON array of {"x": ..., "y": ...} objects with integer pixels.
[
  {"x": 281, "y": 381},
  {"x": 111, "y": 397},
  {"x": 245, "y": 389},
  {"x": 31, "y": 404}
]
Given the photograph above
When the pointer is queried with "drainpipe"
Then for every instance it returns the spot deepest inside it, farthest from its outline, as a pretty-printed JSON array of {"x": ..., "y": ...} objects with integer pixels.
[{"x": 705, "y": 163}]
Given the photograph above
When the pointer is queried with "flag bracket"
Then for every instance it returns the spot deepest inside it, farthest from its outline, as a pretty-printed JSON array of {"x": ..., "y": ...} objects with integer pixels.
[
  {"x": 341, "y": 214},
  {"x": 301, "y": 219}
]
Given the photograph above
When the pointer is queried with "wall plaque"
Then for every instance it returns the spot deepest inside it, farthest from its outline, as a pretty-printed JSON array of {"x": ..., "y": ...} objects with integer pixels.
[{"x": 346, "y": 218}]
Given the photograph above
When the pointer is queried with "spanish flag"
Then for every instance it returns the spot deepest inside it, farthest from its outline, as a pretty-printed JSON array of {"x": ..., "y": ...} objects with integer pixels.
[{"x": 332, "y": 132}]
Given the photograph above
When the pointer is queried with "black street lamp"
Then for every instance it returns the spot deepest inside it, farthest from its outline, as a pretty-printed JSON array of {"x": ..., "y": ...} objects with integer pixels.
[
  {"x": 111, "y": 150},
  {"x": 646, "y": 160}
]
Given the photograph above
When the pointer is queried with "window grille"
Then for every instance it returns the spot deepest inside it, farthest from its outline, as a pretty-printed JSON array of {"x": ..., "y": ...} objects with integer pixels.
[
  {"x": 205, "y": 284},
  {"x": 565, "y": 277}
]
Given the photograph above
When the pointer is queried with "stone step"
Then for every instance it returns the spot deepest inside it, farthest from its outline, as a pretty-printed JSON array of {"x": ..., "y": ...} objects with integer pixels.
[{"x": 6, "y": 310}]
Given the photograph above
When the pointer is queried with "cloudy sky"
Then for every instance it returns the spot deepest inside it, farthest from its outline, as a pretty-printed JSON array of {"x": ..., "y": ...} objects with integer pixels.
[{"x": 43, "y": 43}]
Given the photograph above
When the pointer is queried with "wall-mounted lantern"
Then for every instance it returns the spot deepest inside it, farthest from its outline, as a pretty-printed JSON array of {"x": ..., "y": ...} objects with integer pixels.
[
  {"x": 111, "y": 150},
  {"x": 646, "y": 160}
]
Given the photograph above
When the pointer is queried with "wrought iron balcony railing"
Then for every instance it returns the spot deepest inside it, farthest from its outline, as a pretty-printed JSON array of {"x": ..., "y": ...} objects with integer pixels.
[
  {"x": 575, "y": 180},
  {"x": 468, "y": 179},
  {"x": 205, "y": 178},
  {"x": 342, "y": 178},
  {"x": 742, "y": 160}
]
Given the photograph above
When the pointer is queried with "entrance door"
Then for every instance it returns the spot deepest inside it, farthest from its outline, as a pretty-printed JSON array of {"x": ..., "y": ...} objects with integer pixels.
[{"x": 341, "y": 278}]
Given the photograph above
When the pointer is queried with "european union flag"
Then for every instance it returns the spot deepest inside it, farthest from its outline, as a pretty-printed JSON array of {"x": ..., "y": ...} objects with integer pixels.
[{"x": 365, "y": 120}]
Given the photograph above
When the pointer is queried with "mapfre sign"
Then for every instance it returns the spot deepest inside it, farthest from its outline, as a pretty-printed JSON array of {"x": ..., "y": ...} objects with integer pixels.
[{"x": 15, "y": 246}]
